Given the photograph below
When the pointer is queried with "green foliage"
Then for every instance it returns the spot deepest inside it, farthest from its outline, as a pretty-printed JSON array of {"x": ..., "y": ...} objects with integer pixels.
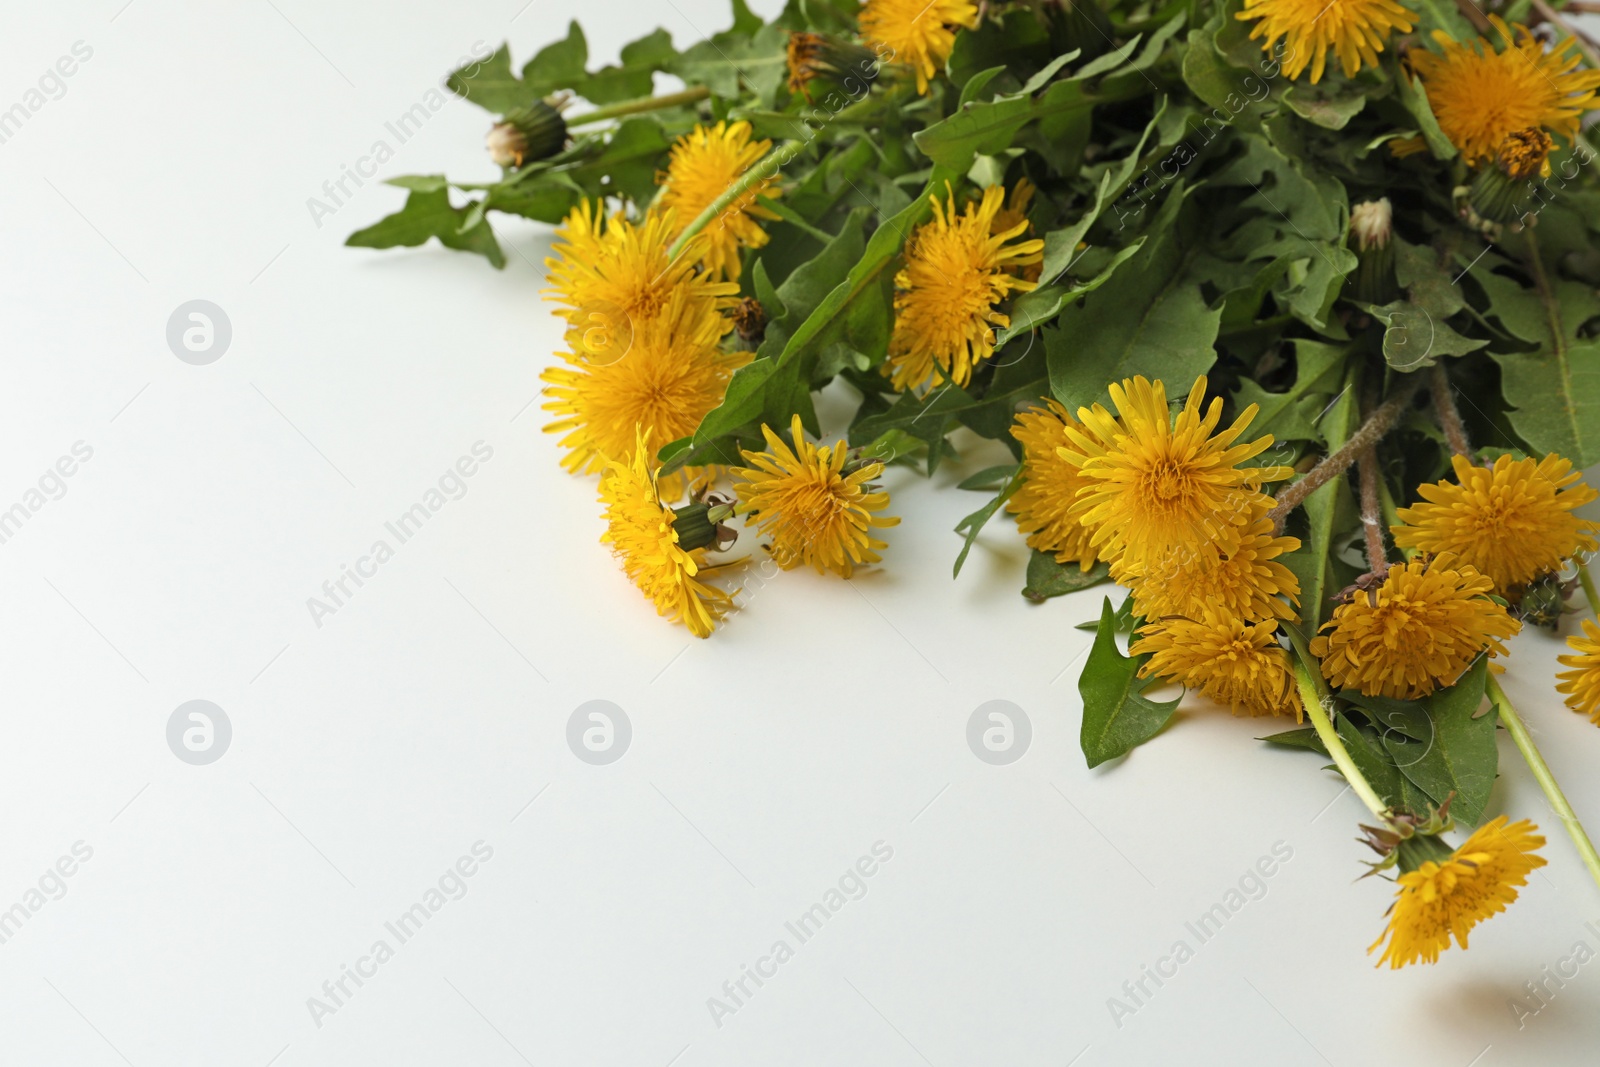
[
  {"x": 1194, "y": 206},
  {"x": 1117, "y": 716}
]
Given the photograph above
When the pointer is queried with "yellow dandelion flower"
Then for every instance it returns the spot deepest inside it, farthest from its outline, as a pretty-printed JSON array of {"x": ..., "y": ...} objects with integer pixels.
[
  {"x": 918, "y": 33},
  {"x": 1582, "y": 683},
  {"x": 956, "y": 271},
  {"x": 704, "y": 164},
  {"x": 1513, "y": 521},
  {"x": 815, "y": 506},
  {"x": 611, "y": 275},
  {"x": 1355, "y": 29},
  {"x": 1015, "y": 213},
  {"x": 1450, "y": 895},
  {"x": 643, "y": 534},
  {"x": 1415, "y": 632},
  {"x": 1482, "y": 95},
  {"x": 672, "y": 374},
  {"x": 1049, "y": 486},
  {"x": 1234, "y": 662},
  {"x": 1159, "y": 484},
  {"x": 1241, "y": 576}
]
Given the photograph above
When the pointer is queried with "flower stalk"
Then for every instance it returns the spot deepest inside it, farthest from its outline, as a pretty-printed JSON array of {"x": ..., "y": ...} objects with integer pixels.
[
  {"x": 1448, "y": 414},
  {"x": 1590, "y": 594},
  {"x": 640, "y": 106},
  {"x": 1378, "y": 424},
  {"x": 1371, "y": 521},
  {"x": 757, "y": 174},
  {"x": 1542, "y": 774},
  {"x": 1317, "y": 699}
]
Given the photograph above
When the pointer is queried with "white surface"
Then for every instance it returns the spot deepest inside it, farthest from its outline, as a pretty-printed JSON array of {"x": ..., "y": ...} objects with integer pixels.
[{"x": 372, "y": 752}]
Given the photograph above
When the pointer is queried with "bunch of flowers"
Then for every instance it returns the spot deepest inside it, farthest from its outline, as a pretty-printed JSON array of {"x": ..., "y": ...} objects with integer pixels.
[{"x": 1221, "y": 276}]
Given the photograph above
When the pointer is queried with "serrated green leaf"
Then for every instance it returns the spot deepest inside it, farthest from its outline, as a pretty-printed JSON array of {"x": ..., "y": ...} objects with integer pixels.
[
  {"x": 1117, "y": 716},
  {"x": 1413, "y": 339},
  {"x": 1305, "y": 737},
  {"x": 1331, "y": 105},
  {"x": 973, "y": 524},
  {"x": 1150, "y": 318},
  {"x": 989, "y": 479},
  {"x": 425, "y": 215},
  {"x": 1292, "y": 415},
  {"x": 1555, "y": 391},
  {"x": 1438, "y": 745},
  {"x": 490, "y": 83}
]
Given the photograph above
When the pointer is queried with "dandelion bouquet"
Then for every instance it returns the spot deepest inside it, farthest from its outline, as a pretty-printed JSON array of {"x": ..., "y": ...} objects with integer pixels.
[{"x": 1284, "y": 310}]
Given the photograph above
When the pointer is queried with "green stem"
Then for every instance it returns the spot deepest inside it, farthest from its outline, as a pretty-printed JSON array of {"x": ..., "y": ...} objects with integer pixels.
[
  {"x": 1547, "y": 781},
  {"x": 754, "y": 176},
  {"x": 1317, "y": 700},
  {"x": 635, "y": 107},
  {"x": 1589, "y": 592}
]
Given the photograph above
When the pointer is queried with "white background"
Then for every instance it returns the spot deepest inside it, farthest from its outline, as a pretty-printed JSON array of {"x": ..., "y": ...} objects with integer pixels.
[{"x": 425, "y": 715}]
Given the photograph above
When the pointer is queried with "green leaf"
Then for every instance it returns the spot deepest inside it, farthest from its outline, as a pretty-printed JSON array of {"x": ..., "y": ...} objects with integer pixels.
[
  {"x": 561, "y": 65},
  {"x": 989, "y": 479},
  {"x": 425, "y": 215},
  {"x": 1150, "y": 318},
  {"x": 1422, "y": 273},
  {"x": 740, "y": 404},
  {"x": 1305, "y": 737},
  {"x": 1442, "y": 749},
  {"x": 973, "y": 524},
  {"x": 491, "y": 85},
  {"x": 990, "y": 127},
  {"x": 1415, "y": 99},
  {"x": 1117, "y": 716},
  {"x": 1373, "y": 761},
  {"x": 628, "y": 163},
  {"x": 1312, "y": 563},
  {"x": 635, "y": 75},
  {"x": 1330, "y": 105},
  {"x": 860, "y": 298},
  {"x": 1414, "y": 339},
  {"x": 1555, "y": 391},
  {"x": 1048, "y": 578},
  {"x": 730, "y": 63},
  {"x": 924, "y": 418},
  {"x": 1292, "y": 415},
  {"x": 1043, "y": 305}
]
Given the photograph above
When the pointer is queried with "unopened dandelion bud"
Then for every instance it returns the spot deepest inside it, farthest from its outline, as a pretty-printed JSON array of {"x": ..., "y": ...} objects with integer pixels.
[
  {"x": 1371, "y": 238},
  {"x": 699, "y": 525},
  {"x": 820, "y": 64},
  {"x": 1503, "y": 190},
  {"x": 527, "y": 135}
]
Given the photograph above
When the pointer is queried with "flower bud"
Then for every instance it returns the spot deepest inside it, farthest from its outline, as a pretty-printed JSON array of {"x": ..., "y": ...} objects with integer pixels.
[
  {"x": 1371, "y": 237},
  {"x": 1503, "y": 191},
  {"x": 840, "y": 66},
  {"x": 527, "y": 135}
]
